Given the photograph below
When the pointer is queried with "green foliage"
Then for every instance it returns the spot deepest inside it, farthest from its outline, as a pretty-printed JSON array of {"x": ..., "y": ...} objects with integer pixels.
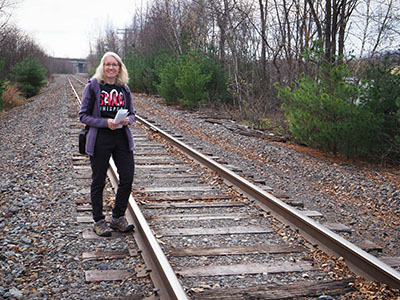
[
  {"x": 187, "y": 80},
  {"x": 167, "y": 69},
  {"x": 217, "y": 87},
  {"x": 141, "y": 71},
  {"x": 190, "y": 79},
  {"x": 29, "y": 75},
  {"x": 262, "y": 123},
  {"x": 380, "y": 94},
  {"x": 322, "y": 111},
  {"x": 330, "y": 112}
]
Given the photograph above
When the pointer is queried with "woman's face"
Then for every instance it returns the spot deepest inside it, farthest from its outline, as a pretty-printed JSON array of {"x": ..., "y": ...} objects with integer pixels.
[{"x": 111, "y": 69}]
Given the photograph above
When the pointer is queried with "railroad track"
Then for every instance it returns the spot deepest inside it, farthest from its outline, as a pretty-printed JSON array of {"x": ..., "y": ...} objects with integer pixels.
[{"x": 206, "y": 233}]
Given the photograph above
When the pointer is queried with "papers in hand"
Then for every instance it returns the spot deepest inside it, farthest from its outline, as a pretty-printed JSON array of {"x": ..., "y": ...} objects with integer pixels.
[{"x": 120, "y": 116}]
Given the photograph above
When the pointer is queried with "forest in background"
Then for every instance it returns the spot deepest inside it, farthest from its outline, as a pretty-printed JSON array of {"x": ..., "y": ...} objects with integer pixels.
[
  {"x": 323, "y": 72},
  {"x": 256, "y": 43}
]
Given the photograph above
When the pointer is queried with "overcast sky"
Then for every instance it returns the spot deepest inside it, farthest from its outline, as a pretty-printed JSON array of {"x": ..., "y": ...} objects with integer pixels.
[{"x": 63, "y": 28}]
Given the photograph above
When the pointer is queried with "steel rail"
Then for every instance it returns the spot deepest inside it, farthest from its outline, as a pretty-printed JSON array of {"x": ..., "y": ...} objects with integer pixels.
[
  {"x": 359, "y": 261},
  {"x": 161, "y": 272},
  {"x": 77, "y": 98}
]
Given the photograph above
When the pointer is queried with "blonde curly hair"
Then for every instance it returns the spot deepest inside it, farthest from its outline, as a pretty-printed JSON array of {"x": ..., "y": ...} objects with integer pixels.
[{"x": 122, "y": 78}]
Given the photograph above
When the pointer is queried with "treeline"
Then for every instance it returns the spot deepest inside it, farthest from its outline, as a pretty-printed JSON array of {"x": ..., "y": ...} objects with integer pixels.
[
  {"x": 21, "y": 72},
  {"x": 323, "y": 70},
  {"x": 24, "y": 66}
]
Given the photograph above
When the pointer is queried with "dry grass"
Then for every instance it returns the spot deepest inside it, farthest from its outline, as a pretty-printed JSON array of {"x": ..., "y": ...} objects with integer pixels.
[{"x": 11, "y": 96}]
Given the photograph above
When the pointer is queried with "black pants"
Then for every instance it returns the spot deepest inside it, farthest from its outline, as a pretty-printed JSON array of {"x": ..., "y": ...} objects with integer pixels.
[{"x": 115, "y": 143}]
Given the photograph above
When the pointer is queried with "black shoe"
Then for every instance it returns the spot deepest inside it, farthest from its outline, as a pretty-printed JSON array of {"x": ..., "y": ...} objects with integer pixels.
[
  {"x": 101, "y": 228},
  {"x": 121, "y": 224}
]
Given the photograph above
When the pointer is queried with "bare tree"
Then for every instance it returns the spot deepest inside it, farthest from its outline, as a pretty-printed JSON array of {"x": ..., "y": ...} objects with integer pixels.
[
  {"x": 239, "y": 39},
  {"x": 263, "y": 18},
  {"x": 331, "y": 26},
  {"x": 375, "y": 26},
  {"x": 221, "y": 11},
  {"x": 261, "y": 42},
  {"x": 172, "y": 10},
  {"x": 6, "y": 6},
  {"x": 162, "y": 27},
  {"x": 14, "y": 47},
  {"x": 111, "y": 40},
  {"x": 5, "y": 11}
]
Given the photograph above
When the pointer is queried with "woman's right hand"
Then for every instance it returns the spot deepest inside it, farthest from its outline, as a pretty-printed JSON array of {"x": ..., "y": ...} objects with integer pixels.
[{"x": 111, "y": 124}]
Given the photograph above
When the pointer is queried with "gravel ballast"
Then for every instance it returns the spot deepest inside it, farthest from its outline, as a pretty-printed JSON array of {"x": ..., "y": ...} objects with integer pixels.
[
  {"x": 41, "y": 241},
  {"x": 39, "y": 249},
  {"x": 364, "y": 198}
]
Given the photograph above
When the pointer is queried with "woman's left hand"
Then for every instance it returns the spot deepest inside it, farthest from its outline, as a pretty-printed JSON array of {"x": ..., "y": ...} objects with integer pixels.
[{"x": 124, "y": 122}]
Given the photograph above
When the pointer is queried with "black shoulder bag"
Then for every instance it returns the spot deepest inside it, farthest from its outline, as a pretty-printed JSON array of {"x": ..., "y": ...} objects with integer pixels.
[{"x": 82, "y": 139}]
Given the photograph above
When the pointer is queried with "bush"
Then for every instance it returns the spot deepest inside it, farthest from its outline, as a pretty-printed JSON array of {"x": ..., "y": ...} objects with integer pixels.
[
  {"x": 29, "y": 75},
  {"x": 192, "y": 80},
  {"x": 320, "y": 117},
  {"x": 142, "y": 75},
  {"x": 323, "y": 113},
  {"x": 167, "y": 69},
  {"x": 217, "y": 87},
  {"x": 11, "y": 97},
  {"x": 380, "y": 94},
  {"x": 2, "y": 88}
]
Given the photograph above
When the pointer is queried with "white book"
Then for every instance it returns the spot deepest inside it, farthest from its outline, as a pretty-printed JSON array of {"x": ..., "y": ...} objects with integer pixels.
[{"x": 120, "y": 116}]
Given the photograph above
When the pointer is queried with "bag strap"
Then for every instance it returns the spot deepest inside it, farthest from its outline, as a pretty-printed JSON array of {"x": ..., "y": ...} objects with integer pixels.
[{"x": 92, "y": 101}]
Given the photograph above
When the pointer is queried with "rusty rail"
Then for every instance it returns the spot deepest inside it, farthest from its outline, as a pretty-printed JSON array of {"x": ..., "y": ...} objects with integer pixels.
[
  {"x": 161, "y": 272},
  {"x": 359, "y": 261}
]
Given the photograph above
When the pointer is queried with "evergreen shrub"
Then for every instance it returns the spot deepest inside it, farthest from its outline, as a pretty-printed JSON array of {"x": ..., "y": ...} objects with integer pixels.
[
  {"x": 29, "y": 75},
  {"x": 142, "y": 76},
  {"x": 323, "y": 112},
  {"x": 190, "y": 79},
  {"x": 380, "y": 94},
  {"x": 217, "y": 86},
  {"x": 167, "y": 68}
]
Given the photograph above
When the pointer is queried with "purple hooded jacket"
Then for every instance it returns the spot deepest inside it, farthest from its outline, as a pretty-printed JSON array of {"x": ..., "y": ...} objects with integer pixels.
[{"x": 94, "y": 120}]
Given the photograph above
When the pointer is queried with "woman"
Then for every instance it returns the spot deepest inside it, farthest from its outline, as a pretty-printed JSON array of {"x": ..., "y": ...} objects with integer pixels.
[{"x": 105, "y": 94}]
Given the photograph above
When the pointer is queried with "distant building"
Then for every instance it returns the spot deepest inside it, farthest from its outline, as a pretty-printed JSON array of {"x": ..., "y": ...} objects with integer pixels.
[
  {"x": 80, "y": 65},
  {"x": 60, "y": 65}
]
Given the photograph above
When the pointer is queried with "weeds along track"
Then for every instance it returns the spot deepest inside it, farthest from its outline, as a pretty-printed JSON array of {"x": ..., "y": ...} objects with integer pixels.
[{"x": 203, "y": 232}]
